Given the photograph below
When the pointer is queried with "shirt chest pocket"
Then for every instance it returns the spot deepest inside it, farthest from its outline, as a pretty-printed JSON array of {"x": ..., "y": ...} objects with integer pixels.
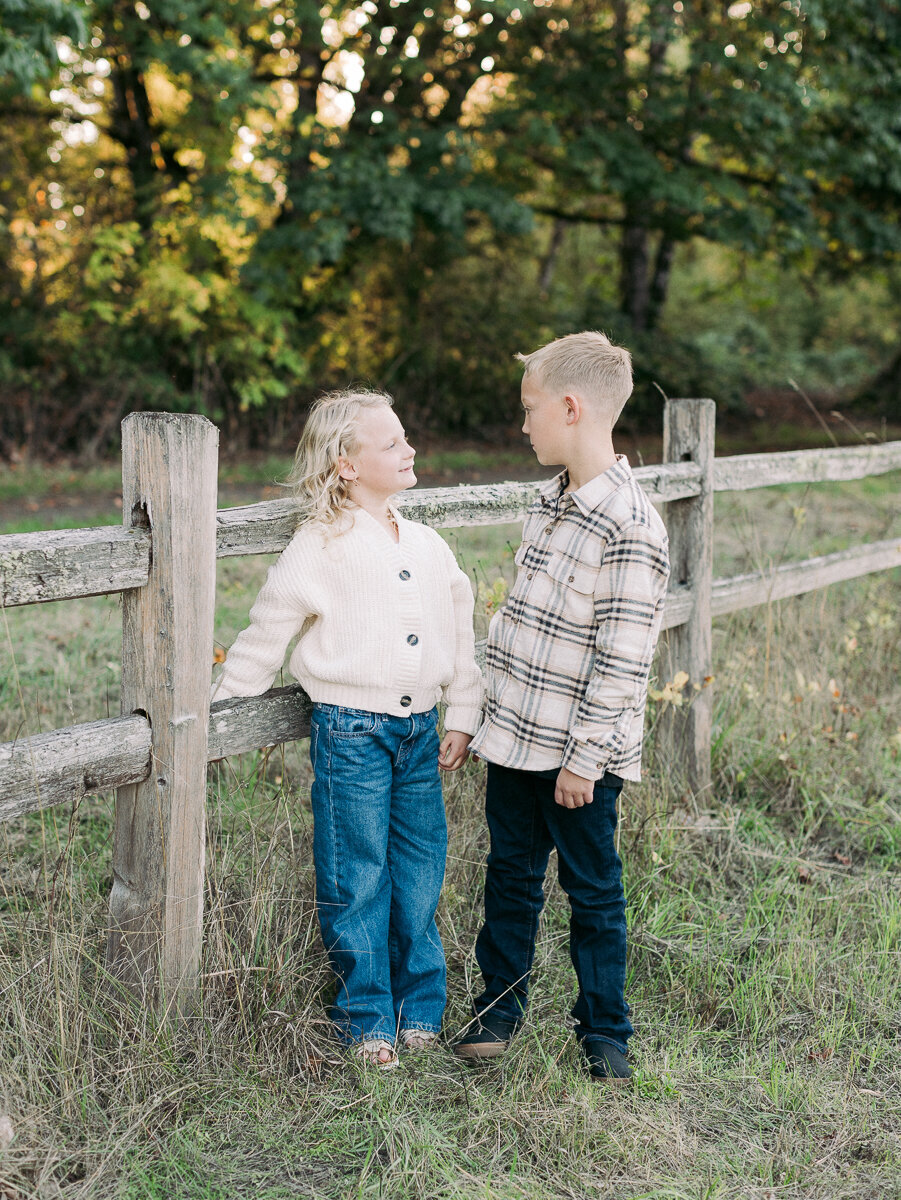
[{"x": 574, "y": 585}]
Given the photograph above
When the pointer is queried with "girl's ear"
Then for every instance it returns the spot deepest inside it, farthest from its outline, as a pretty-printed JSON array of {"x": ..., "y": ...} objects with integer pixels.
[{"x": 346, "y": 470}]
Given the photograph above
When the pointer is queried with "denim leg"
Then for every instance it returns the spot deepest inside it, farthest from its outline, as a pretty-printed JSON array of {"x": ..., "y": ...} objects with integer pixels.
[
  {"x": 351, "y": 798},
  {"x": 417, "y": 852},
  {"x": 590, "y": 873},
  {"x": 514, "y": 895}
]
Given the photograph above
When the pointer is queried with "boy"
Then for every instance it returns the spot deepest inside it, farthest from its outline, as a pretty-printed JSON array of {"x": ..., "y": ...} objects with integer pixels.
[{"x": 568, "y": 660}]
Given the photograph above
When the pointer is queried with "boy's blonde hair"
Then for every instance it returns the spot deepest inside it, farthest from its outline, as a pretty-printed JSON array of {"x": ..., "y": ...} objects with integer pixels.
[
  {"x": 330, "y": 433},
  {"x": 586, "y": 363}
]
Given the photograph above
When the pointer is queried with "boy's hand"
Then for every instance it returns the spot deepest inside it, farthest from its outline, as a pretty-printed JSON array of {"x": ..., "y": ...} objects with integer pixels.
[
  {"x": 573, "y": 791},
  {"x": 454, "y": 750}
]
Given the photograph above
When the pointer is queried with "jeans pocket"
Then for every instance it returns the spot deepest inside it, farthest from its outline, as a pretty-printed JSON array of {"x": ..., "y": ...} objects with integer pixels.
[{"x": 352, "y": 722}]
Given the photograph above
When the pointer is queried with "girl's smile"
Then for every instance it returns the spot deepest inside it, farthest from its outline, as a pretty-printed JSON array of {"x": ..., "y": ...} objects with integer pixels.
[{"x": 382, "y": 461}]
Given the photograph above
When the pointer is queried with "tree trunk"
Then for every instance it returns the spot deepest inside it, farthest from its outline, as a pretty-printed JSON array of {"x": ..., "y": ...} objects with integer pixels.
[
  {"x": 882, "y": 395},
  {"x": 550, "y": 259},
  {"x": 663, "y": 265},
  {"x": 633, "y": 279}
]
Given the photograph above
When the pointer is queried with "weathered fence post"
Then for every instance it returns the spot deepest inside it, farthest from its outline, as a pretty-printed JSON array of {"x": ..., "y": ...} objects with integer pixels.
[
  {"x": 169, "y": 465},
  {"x": 689, "y": 429}
]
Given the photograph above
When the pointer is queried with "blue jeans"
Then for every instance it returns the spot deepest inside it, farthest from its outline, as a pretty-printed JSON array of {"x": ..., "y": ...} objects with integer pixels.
[
  {"x": 379, "y": 848},
  {"x": 525, "y": 825}
]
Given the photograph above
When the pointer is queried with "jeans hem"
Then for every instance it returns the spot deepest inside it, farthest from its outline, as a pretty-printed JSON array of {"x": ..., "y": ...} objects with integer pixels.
[
  {"x": 516, "y": 1018},
  {"x": 602, "y": 1037},
  {"x": 372, "y": 1035}
]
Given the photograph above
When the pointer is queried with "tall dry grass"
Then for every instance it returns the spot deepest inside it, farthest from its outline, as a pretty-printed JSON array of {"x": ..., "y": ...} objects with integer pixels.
[{"x": 764, "y": 968}]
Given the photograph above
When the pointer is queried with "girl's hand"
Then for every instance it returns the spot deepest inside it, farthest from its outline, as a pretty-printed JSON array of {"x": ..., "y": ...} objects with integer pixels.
[{"x": 454, "y": 750}]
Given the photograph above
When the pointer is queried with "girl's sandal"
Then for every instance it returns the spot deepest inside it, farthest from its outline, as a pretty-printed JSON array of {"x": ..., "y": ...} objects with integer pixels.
[
  {"x": 371, "y": 1054},
  {"x": 418, "y": 1039}
]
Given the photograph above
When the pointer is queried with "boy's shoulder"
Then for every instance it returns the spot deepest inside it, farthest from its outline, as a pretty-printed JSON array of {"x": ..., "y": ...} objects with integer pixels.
[
  {"x": 610, "y": 505},
  {"x": 628, "y": 508}
]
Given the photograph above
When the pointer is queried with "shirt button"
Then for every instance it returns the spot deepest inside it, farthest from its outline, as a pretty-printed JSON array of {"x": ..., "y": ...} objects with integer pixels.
[
  {"x": 529, "y": 576},
  {"x": 572, "y": 579},
  {"x": 405, "y": 701},
  {"x": 412, "y": 639},
  {"x": 405, "y": 574},
  {"x": 550, "y": 529}
]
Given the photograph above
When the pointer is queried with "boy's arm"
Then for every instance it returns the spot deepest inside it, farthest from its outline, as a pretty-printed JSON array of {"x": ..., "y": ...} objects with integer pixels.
[
  {"x": 277, "y": 615},
  {"x": 463, "y": 694},
  {"x": 629, "y": 597}
]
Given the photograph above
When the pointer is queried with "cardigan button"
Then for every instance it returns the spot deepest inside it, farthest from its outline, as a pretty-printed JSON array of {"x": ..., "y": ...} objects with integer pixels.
[
  {"x": 412, "y": 639},
  {"x": 405, "y": 701},
  {"x": 405, "y": 574}
]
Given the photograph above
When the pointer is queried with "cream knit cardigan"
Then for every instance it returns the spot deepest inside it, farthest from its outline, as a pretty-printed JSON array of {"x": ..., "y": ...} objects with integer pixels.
[{"x": 384, "y": 626}]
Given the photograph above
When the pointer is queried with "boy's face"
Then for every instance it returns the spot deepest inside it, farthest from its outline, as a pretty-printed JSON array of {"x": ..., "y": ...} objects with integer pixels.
[{"x": 545, "y": 423}]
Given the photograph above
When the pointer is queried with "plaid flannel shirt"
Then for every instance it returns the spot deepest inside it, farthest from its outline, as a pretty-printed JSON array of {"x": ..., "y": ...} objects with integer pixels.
[{"x": 569, "y": 653}]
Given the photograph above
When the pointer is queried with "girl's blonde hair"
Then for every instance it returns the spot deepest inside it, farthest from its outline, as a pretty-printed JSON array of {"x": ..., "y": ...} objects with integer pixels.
[{"x": 329, "y": 434}]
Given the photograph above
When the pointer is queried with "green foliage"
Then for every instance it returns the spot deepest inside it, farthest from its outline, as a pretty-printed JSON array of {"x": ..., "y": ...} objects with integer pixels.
[
  {"x": 217, "y": 205},
  {"x": 28, "y": 33}
]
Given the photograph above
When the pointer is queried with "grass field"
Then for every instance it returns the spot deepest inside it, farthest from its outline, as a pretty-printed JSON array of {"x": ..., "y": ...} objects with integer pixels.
[{"x": 765, "y": 962}]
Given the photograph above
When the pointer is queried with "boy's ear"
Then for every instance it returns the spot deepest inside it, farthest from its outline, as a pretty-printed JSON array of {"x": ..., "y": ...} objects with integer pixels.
[
  {"x": 573, "y": 409},
  {"x": 346, "y": 470}
]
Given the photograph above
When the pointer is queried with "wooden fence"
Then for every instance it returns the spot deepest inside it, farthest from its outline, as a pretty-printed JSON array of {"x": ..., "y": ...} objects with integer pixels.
[{"x": 163, "y": 561}]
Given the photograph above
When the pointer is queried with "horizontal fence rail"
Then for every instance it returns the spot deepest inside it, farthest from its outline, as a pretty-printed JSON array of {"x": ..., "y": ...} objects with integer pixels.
[
  {"x": 62, "y": 766},
  {"x": 268, "y": 527},
  {"x": 72, "y": 563},
  {"x": 743, "y": 472},
  {"x": 69, "y": 563},
  {"x": 66, "y": 764}
]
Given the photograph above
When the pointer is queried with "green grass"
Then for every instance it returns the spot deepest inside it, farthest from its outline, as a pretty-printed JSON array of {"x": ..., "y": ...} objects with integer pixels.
[{"x": 764, "y": 965}]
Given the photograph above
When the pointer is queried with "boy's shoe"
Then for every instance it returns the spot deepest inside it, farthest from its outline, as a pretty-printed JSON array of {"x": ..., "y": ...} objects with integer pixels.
[
  {"x": 488, "y": 1037},
  {"x": 605, "y": 1061}
]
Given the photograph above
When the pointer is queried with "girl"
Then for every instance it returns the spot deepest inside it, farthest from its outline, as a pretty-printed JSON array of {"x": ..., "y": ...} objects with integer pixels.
[{"x": 384, "y": 616}]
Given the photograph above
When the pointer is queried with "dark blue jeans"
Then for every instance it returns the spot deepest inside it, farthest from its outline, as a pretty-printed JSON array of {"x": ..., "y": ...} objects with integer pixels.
[
  {"x": 525, "y": 825},
  {"x": 379, "y": 847}
]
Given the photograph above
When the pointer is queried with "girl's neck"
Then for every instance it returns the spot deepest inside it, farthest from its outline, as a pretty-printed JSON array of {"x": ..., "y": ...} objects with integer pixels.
[{"x": 378, "y": 508}]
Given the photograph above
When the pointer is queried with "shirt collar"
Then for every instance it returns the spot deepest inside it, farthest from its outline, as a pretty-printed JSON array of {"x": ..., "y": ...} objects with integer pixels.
[{"x": 592, "y": 493}]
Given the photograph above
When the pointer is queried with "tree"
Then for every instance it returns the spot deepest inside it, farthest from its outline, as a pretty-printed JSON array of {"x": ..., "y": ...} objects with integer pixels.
[{"x": 765, "y": 126}]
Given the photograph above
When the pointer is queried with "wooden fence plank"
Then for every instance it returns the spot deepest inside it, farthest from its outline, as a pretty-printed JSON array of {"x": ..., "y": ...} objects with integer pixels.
[
  {"x": 62, "y": 766},
  {"x": 63, "y": 564},
  {"x": 53, "y": 768},
  {"x": 240, "y": 725},
  {"x": 268, "y": 527},
  {"x": 156, "y": 906},
  {"x": 741, "y": 472},
  {"x": 689, "y": 428},
  {"x": 795, "y": 579}
]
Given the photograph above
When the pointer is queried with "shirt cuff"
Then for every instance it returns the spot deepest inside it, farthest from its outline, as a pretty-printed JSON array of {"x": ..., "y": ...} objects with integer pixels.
[
  {"x": 590, "y": 762},
  {"x": 461, "y": 719}
]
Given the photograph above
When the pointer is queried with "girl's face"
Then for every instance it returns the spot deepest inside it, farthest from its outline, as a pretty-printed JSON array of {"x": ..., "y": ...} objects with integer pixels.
[{"x": 382, "y": 463}]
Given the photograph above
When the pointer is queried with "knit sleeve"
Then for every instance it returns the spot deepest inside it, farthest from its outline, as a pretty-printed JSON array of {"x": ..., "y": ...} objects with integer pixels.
[
  {"x": 278, "y": 614},
  {"x": 463, "y": 695}
]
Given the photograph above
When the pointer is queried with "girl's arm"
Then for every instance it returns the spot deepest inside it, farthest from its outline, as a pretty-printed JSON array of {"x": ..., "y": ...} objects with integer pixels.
[
  {"x": 277, "y": 615},
  {"x": 463, "y": 694}
]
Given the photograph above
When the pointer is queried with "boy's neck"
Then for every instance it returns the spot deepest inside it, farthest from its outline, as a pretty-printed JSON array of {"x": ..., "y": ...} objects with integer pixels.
[{"x": 587, "y": 462}]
